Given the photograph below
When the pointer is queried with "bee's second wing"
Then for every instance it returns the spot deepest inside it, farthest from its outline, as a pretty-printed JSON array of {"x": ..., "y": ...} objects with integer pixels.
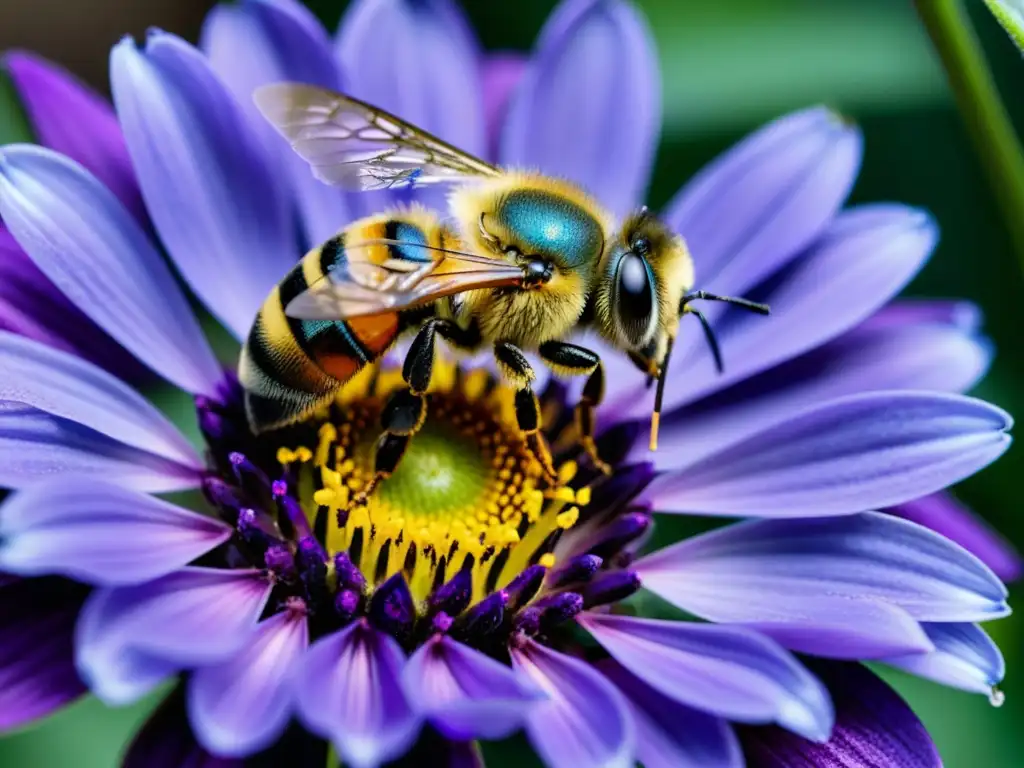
[
  {"x": 351, "y": 144},
  {"x": 377, "y": 283}
]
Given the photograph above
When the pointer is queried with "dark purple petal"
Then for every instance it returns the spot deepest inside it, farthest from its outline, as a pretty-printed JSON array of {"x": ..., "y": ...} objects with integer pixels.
[
  {"x": 588, "y": 107},
  {"x": 243, "y": 705},
  {"x": 877, "y": 355},
  {"x": 464, "y": 694},
  {"x": 855, "y": 453},
  {"x": 874, "y": 728},
  {"x": 104, "y": 263},
  {"x": 100, "y": 533},
  {"x": 765, "y": 200},
  {"x": 349, "y": 690},
  {"x": 71, "y": 118},
  {"x": 942, "y": 513},
  {"x": 726, "y": 671},
  {"x": 584, "y": 722},
  {"x": 765, "y": 570},
  {"x": 964, "y": 657},
  {"x": 500, "y": 74},
  {"x": 670, "y": 734},
  {"x": 37, "y": 668},
  {"x": 129, "y": 638},
  {"x": 209, "y": 187},
  {"x": 257, "y": 42},
  {"x": 167, "y": 741}
]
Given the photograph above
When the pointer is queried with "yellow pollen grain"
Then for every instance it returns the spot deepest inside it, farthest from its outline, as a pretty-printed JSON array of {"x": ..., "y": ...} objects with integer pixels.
[
  {"x": 583, "y": 496},
  {"x": 547, "y": 560},
  {"x": 568, "y": 518}
]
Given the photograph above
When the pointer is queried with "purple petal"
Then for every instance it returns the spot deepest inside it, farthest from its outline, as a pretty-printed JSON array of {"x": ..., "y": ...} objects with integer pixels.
[
  {"x": 588, "y": 107},
  {"x": 500, "y": 75},
  {"x": 874, "y": 727},
  {"x": 726, "y": 671},
  {"x": 584, "y": 722},
  {"x": 855, "y": 453},
  {"x": 129, "y": 638},
  {"x": 942, "y": 513},
  {"x": 464, "y": 694},
  {"x": 66, "y": 386},
  {"x": 166, "y": 741},
  {"x": 765, "y": 200},
  {"x": 35, "y": 445},
  {"x": 257, "y": 42},
  {"x": 349, "y": 690},
  {"x": 877, "y": 355},
  {"x": 416, "y": 59},
  {"x": 243, "y": 705},
  {"x": 100, "y": 533},
  {"x": 962, "y": 314},
  {"x": 964, "y": 657},
  {"x": 670, "y": 734},
  {"x": 71, "y": 118},
  {"x": 209, "y": 187},
  {"x": 865, "y": 256},
  {"x": 765, "y": 570},
  {"x": 104, "y": 263},
  {"x": 37, "y": 669}
]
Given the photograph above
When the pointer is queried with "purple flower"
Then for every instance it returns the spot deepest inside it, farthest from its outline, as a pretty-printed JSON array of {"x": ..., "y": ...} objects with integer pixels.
[{"x": 457, "y": 606}]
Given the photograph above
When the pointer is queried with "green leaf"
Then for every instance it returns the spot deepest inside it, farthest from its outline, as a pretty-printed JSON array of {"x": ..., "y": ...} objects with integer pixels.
[
  {"x": 14, "y": 125},
  {"x": 1010, "y": 15}
]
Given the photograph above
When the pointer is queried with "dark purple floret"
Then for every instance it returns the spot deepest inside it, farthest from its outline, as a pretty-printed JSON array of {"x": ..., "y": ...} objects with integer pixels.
[
  {"x": 578, "y": 569},
  {"x": 486, "y": 616},
  {"x": 348, "y": 575},
  {"x": 610, "y": 588},
  {"x": 392, "y": 608},
  {"x": 278, "y": 558},
  {"x": 525, "y": 586},
  {"x": 619, "y": 533},
  {"x": 454, "y": 595},
  {"x": 441, "y": 623},
  {"x": 346, "y": 604}
]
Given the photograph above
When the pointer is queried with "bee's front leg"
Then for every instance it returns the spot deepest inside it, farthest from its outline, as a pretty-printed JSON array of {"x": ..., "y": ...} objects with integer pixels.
[
  {"x": 517, "y": 369},
  {"x": 574, "y": 360}
]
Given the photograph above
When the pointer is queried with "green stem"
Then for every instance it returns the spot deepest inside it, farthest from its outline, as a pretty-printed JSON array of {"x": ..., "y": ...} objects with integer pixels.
[
  {"x": 333, "y": 761},
  {"x": 980, "y": 106}
]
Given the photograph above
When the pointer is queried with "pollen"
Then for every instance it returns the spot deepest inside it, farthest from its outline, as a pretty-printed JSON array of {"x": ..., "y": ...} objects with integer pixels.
[{"x": 468, "y": 495}]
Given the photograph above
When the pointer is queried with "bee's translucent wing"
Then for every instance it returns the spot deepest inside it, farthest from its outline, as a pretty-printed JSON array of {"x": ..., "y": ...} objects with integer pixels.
[
  {"x": 380, "y": 276},
  {"x": 351, "y": 144}
]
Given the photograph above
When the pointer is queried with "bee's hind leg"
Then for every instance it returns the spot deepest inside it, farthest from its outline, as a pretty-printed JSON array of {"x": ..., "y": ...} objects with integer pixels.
[
  {"x": 517, "y": 369},
  {"x": 406, "y": 409},
  {"x": 574, "y": 360}
]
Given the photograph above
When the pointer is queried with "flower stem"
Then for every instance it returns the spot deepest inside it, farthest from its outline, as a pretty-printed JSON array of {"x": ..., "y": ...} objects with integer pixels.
[
  {"x": 333, "y": 761},
  {"x": 980, "y": 106}
]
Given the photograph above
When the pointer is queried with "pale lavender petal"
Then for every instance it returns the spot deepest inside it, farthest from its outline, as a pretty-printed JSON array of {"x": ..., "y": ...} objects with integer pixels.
[
  {"x": 874, "y": 727},
  {"x": 765, "y": 200},
  {"x": 100, "y": 533},
  {"x": 588, "y": 107},
  {"x": 38, "y": 446},
  {"x": 670, "y": 734},
  {"x": 500, "y": 74},
  {"x": 129, "y": 638},
  {"x": 167, "y": 741},
  {"x": 71, "y": 118},
  {"x": 768, "y": 570},
  {"x": 37, "y": 669},
  {"x": 349, "y": 690},
  {"x": 585, "y": 721},
  {"x": 464, "y": 694},
  {"x": 964, "y": 657},
  {"x": 942, "y": 513},
  {"x": 864, "y": 257},
  {"x": 962, "y": 314},
  {"x": 210, "y": 190},
  {"x": 243, "y": 705},
  {"x": 731, "y": 672},
  {"x": 257, "y": 42},
  {"x": 877, "y": 355},
  {"x": 84, "y": 240},
  {"x": 416, "y": 59},
  {"x": 844, "y": 456},
  {"x": 71, "y": 388}
]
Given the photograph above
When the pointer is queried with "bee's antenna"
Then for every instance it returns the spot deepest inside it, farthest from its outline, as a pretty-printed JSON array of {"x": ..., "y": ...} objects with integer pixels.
[
  {"x": 659, "y": 394},
  {"x": 753, "y": 306}
]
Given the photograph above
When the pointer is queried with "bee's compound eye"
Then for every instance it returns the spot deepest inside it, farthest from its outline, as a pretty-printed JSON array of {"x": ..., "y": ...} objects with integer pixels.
[{"x": 634, "y": 296}]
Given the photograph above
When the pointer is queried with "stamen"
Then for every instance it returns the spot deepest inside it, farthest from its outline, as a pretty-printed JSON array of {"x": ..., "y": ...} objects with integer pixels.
[
  {"x": 610, "y": 587},
  {"x": 579, "y": 569}
]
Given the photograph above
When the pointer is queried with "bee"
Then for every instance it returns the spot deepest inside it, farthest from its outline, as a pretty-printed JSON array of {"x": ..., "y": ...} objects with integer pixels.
[{"x": 522, "y": 262}]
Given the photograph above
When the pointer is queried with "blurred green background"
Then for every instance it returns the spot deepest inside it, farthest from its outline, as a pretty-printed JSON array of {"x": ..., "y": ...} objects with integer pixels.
[{"x": 726, "y": 68}]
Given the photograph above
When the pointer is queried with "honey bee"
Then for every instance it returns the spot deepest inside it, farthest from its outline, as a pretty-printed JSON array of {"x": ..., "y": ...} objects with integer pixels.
[{"x": 522, "y": 263}]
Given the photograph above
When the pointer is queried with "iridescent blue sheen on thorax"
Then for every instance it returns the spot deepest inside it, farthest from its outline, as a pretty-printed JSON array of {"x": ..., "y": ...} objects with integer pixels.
[{"x": 546, "y": 224}]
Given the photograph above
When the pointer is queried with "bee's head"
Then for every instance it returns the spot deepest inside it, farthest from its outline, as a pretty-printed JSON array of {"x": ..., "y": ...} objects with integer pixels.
[{"x": 644, "y": 273}]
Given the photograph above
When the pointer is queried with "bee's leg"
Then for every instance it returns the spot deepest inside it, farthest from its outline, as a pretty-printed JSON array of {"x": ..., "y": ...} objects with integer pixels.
[
  {"x": 406, "y": 409},
  {"x": 517, "y": 369},
  {"x": 574, "y": 360}
]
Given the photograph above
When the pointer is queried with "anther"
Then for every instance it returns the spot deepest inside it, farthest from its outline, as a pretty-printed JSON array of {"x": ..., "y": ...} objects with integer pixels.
[
  {"x": 392, "y": 609},
  {"x": 610, "y": 588},
  {"x": 579, "y": 569},
  {"x": 556, "y": 609}
]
